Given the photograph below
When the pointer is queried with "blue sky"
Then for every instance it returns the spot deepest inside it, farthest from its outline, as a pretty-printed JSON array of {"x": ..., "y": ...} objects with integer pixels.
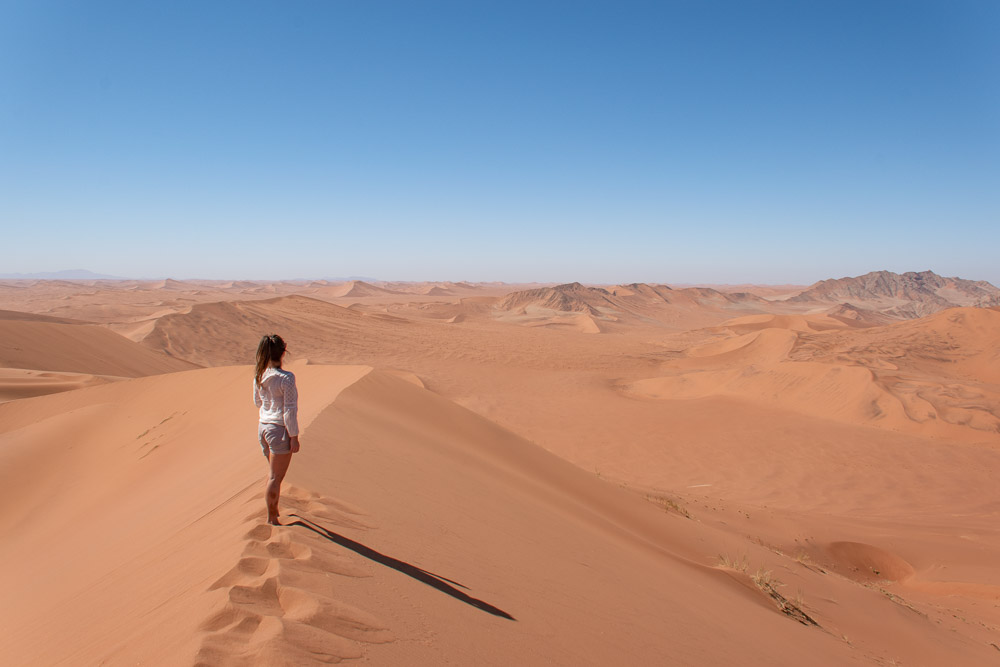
[{"x": 688, "y": 141}]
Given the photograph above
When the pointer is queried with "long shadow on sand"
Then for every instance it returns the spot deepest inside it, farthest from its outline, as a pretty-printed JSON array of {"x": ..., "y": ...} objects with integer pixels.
[{"x": 429, "y": 578}]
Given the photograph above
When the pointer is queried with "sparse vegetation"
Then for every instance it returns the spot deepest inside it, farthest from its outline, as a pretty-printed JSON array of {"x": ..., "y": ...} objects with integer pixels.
[
  {"x": 741, "y": 564},
  {"x": 668, "y": 505},
  {"x": 763, "y": 580},
  {"x": 895, "y": 598}
]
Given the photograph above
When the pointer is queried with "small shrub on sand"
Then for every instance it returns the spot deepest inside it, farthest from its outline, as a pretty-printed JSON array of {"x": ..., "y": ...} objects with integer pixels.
[
  {"x": 668, "y": 505},
  {"x": 769, "y": 586},
  {"x": 740, "y": 564}
]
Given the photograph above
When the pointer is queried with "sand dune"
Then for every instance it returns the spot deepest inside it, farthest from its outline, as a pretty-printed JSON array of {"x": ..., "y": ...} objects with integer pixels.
[
  {"x": 889, "y": 377},
  {"x": 18, "y": 383},
  {"x": 78, "y": 348},
  {"x": 227, "y": 332},
  {"x": 430, "y": 288},
  {"x": 359, "y": 288},
  {"x": 386, "y": 556},
  {"x": 18, "y": 316},
  {"x": 596, "y": 309},
  {"x": 850, "y": 314},
  {"x": 718, "y": 479},
  {"x": 804, "y": 323},
  {"x": 128, "y": 498},
  {"x": 465, "y": 309}
]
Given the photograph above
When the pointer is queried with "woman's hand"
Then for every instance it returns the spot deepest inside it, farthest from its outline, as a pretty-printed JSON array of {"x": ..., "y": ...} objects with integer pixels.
[{"x": 295, "y": 443}]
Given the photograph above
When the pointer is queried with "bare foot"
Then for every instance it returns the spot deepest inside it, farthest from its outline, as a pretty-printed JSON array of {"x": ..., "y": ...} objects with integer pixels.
[{"x": 273, "y": 520}]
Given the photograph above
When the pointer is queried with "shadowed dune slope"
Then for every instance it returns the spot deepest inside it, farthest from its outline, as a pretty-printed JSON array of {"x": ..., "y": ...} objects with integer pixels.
[
  {"x": 18, "y": 383},
  {"x": 228, "y": 332},
  {"x": 16, "y": 315},
  {"x": 78, "y": 348}
]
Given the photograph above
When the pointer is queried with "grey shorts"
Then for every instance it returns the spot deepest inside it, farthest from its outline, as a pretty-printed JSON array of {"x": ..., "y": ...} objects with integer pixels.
[{"x": 274, "y": 437}]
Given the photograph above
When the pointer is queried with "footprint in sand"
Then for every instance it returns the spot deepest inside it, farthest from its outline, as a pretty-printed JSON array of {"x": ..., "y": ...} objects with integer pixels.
[
  {"x": 299, "y": 503},
  {"x": 279, "y": 606}
]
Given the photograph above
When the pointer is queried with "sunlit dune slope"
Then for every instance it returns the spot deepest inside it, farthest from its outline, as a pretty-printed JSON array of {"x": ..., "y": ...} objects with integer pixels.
[
  {"x": 939, "y": 375},
  {"x": 419, "y": 534},
  {"x": 960, "y": 342},
  {"x": 121, "y": 504},
  {"x": 804, "y": 323},
  {"x": 466, "y": 309},
  {"x": 357, "y": 288}
]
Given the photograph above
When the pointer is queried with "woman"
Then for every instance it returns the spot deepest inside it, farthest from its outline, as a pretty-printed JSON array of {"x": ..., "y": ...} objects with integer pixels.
[{"x": 275, "y": 394}]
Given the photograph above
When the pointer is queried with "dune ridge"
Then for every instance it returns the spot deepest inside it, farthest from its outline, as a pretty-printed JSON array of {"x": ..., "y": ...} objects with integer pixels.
[
  {"x": 144, "y": 475},
  {"x": 718, "y": 479}
]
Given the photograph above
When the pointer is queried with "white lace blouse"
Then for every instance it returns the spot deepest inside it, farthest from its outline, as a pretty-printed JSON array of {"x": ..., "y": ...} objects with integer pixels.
[{"x": 278, "y": 399}]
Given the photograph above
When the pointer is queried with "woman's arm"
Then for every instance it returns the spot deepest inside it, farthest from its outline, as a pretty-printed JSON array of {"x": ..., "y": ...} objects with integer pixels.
[
  {"x": 290, "y": 413},
  {"x": 256, "y": 394}
]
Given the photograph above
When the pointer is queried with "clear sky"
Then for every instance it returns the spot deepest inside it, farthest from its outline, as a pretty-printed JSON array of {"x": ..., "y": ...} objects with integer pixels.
[{"x": 668, "y": 141}]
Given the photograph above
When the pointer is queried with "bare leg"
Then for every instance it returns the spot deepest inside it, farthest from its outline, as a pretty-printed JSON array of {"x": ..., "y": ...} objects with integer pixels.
[{"x": 279, "y": 466}]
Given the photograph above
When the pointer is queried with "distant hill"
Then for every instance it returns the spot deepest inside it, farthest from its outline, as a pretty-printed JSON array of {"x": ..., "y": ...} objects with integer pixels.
[
  {"x": 567, "y": 298},
  {"x": 904, "y": 296},
  {"x": 70, "y": 274}
]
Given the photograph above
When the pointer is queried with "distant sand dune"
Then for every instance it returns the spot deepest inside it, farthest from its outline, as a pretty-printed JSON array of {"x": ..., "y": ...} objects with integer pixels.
[
  {"x": 636, "y": 304},
  {"x": 228, "y": 332},
  {"x": 884, "y": 376},
  {"x": 78, "y": 348},
  {"x": 357, "y": 288},
  {"x": 18, "y": 383}
]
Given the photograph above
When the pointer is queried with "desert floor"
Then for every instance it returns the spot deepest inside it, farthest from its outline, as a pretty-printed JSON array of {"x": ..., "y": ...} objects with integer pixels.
[{"x": 497, "y": 474}]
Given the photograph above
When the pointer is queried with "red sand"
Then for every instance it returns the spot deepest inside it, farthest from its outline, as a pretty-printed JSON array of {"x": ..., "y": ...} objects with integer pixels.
[{"x": 780, "y": 487}]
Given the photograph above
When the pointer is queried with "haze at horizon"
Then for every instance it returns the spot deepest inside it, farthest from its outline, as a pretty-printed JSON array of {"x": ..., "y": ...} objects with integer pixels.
[{"x": 679, "y": 142}]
